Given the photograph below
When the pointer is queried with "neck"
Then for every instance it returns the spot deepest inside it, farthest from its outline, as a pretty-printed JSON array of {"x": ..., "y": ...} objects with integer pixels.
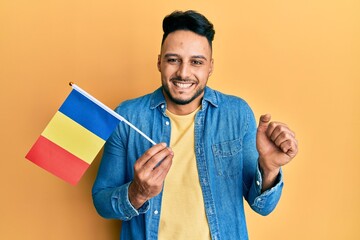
[{"x": 183, "y": 109}]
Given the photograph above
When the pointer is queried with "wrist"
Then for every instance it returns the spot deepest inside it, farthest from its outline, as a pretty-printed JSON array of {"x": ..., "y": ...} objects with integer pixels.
[
  {"x": 269, "y": 177},
  {"x": 136, "y": 199}
]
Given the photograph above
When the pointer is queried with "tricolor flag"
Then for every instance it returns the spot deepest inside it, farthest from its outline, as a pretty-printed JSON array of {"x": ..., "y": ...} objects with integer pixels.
[{"x": 75, "y": 135}]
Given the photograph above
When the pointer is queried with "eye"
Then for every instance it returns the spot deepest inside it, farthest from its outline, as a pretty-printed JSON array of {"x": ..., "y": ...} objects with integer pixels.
[
  {"x": 196, "y": 62},
  {"x": 172, "y": 60}
]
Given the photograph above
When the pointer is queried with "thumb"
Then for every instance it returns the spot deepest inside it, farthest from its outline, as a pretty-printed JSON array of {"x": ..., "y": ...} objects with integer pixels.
[{"x": 264, "y": 122}]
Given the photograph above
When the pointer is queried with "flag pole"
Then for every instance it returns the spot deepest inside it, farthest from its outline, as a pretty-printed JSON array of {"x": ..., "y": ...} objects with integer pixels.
[{"x": 109, "y": 110}]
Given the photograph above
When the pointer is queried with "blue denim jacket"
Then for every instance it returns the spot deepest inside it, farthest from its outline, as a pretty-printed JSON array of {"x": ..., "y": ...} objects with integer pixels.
[{"x": 227, "y": 162}]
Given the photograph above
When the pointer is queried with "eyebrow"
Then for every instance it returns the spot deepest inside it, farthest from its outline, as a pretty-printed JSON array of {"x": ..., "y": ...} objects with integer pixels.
[{"x": 177, "y": 55}]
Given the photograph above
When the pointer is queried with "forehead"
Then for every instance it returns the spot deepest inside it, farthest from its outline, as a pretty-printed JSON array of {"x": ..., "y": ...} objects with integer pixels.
[{"x": 185, "y": 42}]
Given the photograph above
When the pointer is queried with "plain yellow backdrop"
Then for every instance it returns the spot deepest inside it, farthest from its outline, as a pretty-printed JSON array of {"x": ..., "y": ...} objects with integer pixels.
[{"x": 298, "y": 60}]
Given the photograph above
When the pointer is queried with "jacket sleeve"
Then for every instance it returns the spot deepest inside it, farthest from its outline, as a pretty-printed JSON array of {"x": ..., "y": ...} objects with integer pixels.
[
  {"x": 110, "y": 190},
  {"x": 262, "y": 203}
]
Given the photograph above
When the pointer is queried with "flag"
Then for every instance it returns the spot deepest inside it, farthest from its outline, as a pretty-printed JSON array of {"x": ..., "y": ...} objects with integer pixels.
[{"x": 74, "y": 136}]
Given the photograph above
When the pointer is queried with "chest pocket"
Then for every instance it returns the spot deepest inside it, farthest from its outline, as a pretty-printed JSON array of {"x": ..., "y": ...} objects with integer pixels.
[{"x": 228, "y": 157}]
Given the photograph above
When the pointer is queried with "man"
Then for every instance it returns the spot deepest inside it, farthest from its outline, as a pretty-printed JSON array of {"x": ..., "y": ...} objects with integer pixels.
[{"x": 210, "y": 154}]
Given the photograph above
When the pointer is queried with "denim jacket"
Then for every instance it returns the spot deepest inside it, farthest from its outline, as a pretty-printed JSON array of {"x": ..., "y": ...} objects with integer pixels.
[{"x": 227, "y": 163}]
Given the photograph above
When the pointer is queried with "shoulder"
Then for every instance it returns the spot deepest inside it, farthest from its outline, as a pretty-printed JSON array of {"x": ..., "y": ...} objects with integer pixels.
[
  {"x": 142, "y": 105},
  {"x": 226, "y": 101},
  {"x": 230, "y": 111},
  {"x": 135, "y": 105}
]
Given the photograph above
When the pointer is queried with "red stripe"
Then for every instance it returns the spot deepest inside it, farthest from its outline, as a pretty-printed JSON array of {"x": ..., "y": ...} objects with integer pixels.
[{"x": 57, "y": 160}]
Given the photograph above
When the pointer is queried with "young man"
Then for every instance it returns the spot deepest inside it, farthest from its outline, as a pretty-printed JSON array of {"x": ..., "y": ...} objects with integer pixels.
[{"x": 210, "y": 154}]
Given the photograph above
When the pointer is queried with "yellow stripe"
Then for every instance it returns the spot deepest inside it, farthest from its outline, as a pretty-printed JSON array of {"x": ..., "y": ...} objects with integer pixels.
[{"x": 73, "y": 137}]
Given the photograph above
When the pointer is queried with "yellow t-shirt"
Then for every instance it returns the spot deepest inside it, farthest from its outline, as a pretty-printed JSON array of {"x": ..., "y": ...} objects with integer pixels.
[{"x": 182, "y": 211}]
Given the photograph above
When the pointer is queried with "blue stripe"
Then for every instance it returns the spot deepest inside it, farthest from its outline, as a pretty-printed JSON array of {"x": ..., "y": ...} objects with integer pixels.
[{"x": 89, "y": 115}]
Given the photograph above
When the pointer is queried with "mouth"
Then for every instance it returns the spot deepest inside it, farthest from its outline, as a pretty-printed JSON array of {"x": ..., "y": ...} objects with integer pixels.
[{"x": 183, "y": 85}]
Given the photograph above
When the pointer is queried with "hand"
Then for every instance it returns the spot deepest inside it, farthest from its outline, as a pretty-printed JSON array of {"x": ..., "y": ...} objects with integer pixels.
[
  {"x": 150, "y": 171},
  {"x": 276, "y": 145}
]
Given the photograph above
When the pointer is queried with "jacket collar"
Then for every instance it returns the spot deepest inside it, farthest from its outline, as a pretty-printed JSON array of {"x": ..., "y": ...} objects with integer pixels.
[{"x": 158, "y": 99}]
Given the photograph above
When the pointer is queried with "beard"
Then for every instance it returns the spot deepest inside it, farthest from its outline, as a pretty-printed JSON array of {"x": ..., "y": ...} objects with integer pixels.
[{"x": 180, "y": 101}]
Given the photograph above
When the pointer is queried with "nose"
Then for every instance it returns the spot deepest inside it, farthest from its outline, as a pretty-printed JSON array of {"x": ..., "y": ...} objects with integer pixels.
[{"x": 184, "y": 71}]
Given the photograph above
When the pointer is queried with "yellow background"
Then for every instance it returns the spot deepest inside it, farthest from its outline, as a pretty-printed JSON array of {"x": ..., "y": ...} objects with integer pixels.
[{"x": 298, "y": 60}]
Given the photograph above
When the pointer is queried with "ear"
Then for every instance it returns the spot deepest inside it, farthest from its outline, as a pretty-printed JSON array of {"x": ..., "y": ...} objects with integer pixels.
[
  {"x": 211, "y": 67},
  {"x": 159, "y": 62}
]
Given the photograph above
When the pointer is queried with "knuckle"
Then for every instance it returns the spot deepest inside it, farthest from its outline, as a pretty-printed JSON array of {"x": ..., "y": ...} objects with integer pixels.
[
  {"x": 155, "y": 158},
  {"x": 273, "y": 138},
  {"x": 148, "y": 154},
  {"x": 282, "y": 128},
  {"x": 272, "y": 125},
  {"x": 286, "y": 135},
  {"x": 292, "y": 133},
  {"x": 137, "y": 166},
  {"x": 140, "y": 177}
]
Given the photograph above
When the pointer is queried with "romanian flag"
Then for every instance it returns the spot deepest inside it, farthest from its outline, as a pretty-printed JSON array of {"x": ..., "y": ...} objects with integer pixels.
[{"x": 74, "y": 136}]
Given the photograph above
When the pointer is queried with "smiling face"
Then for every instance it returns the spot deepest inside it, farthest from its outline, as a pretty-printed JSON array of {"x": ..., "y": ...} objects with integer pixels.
[{"x": 185, "y": 64}]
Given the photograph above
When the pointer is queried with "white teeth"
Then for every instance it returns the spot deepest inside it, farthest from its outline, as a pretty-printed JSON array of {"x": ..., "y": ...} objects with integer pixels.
[{"x": 183, "y": 85}]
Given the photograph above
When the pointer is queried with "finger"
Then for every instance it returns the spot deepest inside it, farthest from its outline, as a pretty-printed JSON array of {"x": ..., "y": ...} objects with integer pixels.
[
  {"x": 155, "y": 160},
  {"x": 289, "y": 147},
  {"x": 155, "y": 179},
  {"x": 285, "y": 146},
  {"x": 276, "y": 128},
  {"x": 162, "y": 170},
  {"x": 280, "y": 135},
  {"x": 149, "y": 154},
  {"x": 264, "y": 122}
]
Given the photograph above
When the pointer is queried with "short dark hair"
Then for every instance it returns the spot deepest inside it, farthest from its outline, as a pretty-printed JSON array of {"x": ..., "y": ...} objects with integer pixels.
[{"x": 188, "y": 20}]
